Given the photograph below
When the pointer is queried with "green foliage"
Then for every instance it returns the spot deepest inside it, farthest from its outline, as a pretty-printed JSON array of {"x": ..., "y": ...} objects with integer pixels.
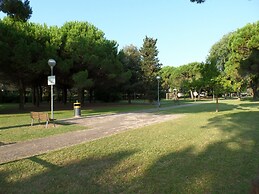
[
  {"x": 250, "y": 68},
  {"x": 150, "y": 66},
  {"x": 77, "y": 40},
  {"x": 131, "y": 60},
  {"x": 198, "y": 1},
  {"x": 16, "y": 9},
  {"x": 150, "y": 63},
  {"x": 26, "y": 48},
  {"x": 244, "y": 45},
  {"x": 193, "y": 77},
  {"x": 220, "y": 51},
  {"x": 209, "y": 71},
  {"x": 220, "y": 54},
  {"x": 84, "y": 48},
  {"x": 186, "y": 77},
  {"x": 235, "y": 57},
  {"x": 166, "y": 73},
  {"x": 85, "y": 58},
  {"x": 81, "y": 80}
]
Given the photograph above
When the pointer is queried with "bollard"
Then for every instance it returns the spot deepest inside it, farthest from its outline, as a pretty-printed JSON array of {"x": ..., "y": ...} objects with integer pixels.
[{"x": 77, "y": 109}]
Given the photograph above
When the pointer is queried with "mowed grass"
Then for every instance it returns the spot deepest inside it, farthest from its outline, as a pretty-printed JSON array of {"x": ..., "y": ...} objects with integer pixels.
[
  {"x": 202, "y": 152},
  {"x": 16, "y": 127}
]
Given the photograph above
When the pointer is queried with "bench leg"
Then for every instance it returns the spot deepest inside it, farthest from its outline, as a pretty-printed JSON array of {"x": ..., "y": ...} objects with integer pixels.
[
  {"x": 47, "y": 124},
  {"x": 32, "y": 122}
]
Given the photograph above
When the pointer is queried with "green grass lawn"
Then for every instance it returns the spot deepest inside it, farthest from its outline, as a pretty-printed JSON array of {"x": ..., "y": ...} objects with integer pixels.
[
  {"x": 202, "y": 152},
  {"x": 16, "y": 127}
]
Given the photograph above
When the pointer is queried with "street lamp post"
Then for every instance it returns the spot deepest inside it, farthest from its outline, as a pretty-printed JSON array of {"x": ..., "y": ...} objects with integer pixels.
[
  {"x": 158, "y": 103},
  {"x": 51, "y": 82}
]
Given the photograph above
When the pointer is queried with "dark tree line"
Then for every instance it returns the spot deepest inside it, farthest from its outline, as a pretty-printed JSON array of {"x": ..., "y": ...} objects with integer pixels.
[
  {"x": 87, "y": 63},
  {"x": 232, "y": 66}
]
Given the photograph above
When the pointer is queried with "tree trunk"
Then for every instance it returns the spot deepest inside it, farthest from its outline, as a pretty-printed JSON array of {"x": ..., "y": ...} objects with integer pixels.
[
  {"x": 33, "y": 96},
  {"x": 81, "y": 96},
  {"x": 217, "y": 103},
  {"x": 91, "y": 92},
  {"x": 37, "y": 96},
  {"x": 70, "y": 96},
  {"x": 64, "y": 95},
  {"x": 22, "y": 96},
  {"x": 129, "y": 98},
  {"x": 254, "y": 92},
  {"x": 191, "y": 94},
  {"x": 41, "y": 92},
  {"x": 239, "y": 95},
  {"x": 199, "y": 95}
]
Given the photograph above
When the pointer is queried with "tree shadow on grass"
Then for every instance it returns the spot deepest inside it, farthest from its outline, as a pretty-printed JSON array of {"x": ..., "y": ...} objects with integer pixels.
[
  {"x": 223, "y": 167},
  {"x": 83, "y": 176},
  {"x": 250, "y": 105},
  {"x": 41, "y": 124},
  {"x": 226, "y": 166},
  {"x": 199, "y": 108},
  {"x": 15, "y": 126},
  {"x": 216, "y": 170}
]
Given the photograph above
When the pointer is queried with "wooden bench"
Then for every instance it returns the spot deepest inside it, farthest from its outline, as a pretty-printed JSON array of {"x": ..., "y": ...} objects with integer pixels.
[{"x": 41, "y": 116}]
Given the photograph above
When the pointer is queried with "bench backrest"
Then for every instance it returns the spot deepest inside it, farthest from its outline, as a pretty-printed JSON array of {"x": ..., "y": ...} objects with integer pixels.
[{"x": 40, "y": 116}]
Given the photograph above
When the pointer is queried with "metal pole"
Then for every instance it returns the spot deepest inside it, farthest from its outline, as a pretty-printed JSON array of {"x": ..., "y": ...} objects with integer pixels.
[
  {"x": 158, "y": 103},
  {"x": 52, "y": 104}
]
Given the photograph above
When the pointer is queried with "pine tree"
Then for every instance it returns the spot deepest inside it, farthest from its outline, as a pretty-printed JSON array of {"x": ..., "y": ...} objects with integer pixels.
[
  {"x": 16, "y": 9},
  {"x": 150, "y": 66}
]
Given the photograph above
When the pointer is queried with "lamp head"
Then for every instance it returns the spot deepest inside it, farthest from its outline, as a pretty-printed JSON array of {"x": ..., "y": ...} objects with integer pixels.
[{"x": 51, "y": 62}]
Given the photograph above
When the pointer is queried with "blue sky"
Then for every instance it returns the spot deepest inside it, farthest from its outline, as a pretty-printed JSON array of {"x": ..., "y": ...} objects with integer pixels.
[{"x": 185, "y": 31}]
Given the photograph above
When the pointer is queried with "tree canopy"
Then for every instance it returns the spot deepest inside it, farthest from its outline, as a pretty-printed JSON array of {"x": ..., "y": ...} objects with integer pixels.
[
  {"x": 89, "y": 64},
  {"x": 131, "y": 59},
  {"x": 150, "y": 66},
  {"x": 244, "y": 45},
  {"x": 236, "y": 56},
  {"x": 16, "y": 9},
  {"x": 198, "y": 1}
]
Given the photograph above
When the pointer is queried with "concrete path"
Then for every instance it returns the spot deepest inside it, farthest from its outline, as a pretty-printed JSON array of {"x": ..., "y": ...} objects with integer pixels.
[{"x": 98, "y": 127}]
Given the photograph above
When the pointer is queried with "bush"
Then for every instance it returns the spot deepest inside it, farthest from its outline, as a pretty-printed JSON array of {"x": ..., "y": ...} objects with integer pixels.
[
  {"x": 6, "y": 97},
  {"x": 108, "y": 96}
]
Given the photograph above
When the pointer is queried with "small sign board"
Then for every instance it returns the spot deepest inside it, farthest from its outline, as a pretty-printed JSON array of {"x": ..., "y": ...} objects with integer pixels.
[{"x": 51, "y": 80}]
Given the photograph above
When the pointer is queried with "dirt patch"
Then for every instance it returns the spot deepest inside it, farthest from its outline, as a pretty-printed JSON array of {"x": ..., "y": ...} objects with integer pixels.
[{"x": 123, "y": 121}]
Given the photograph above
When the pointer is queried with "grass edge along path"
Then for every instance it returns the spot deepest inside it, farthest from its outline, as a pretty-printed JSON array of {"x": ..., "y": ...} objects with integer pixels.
[
  {"x": 16, "y": 127},
  {"x": 203, "y": 152},
  {"x": 102, "y": 126}
]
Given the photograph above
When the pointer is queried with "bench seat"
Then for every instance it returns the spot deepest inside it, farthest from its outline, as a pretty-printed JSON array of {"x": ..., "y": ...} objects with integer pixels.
[{"x": 41, "y": 116}]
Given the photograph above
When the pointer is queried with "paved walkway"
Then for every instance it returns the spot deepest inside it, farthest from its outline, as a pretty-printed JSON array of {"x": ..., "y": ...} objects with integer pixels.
[{"x": 98, "y": 127}]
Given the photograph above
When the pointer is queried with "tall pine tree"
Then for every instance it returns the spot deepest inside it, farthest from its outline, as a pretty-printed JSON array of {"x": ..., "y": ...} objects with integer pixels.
[{"x": 150, "y": 66}]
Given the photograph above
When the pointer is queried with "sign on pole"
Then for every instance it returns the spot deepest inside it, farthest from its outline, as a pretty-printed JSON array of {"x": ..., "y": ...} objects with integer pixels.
[{"x": 51, "y": 80}]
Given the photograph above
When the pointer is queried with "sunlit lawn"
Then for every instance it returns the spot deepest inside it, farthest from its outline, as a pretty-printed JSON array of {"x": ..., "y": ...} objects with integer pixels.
[
  {"x": 202, "y": 152},
  {"x": 16, "y": 127}
]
